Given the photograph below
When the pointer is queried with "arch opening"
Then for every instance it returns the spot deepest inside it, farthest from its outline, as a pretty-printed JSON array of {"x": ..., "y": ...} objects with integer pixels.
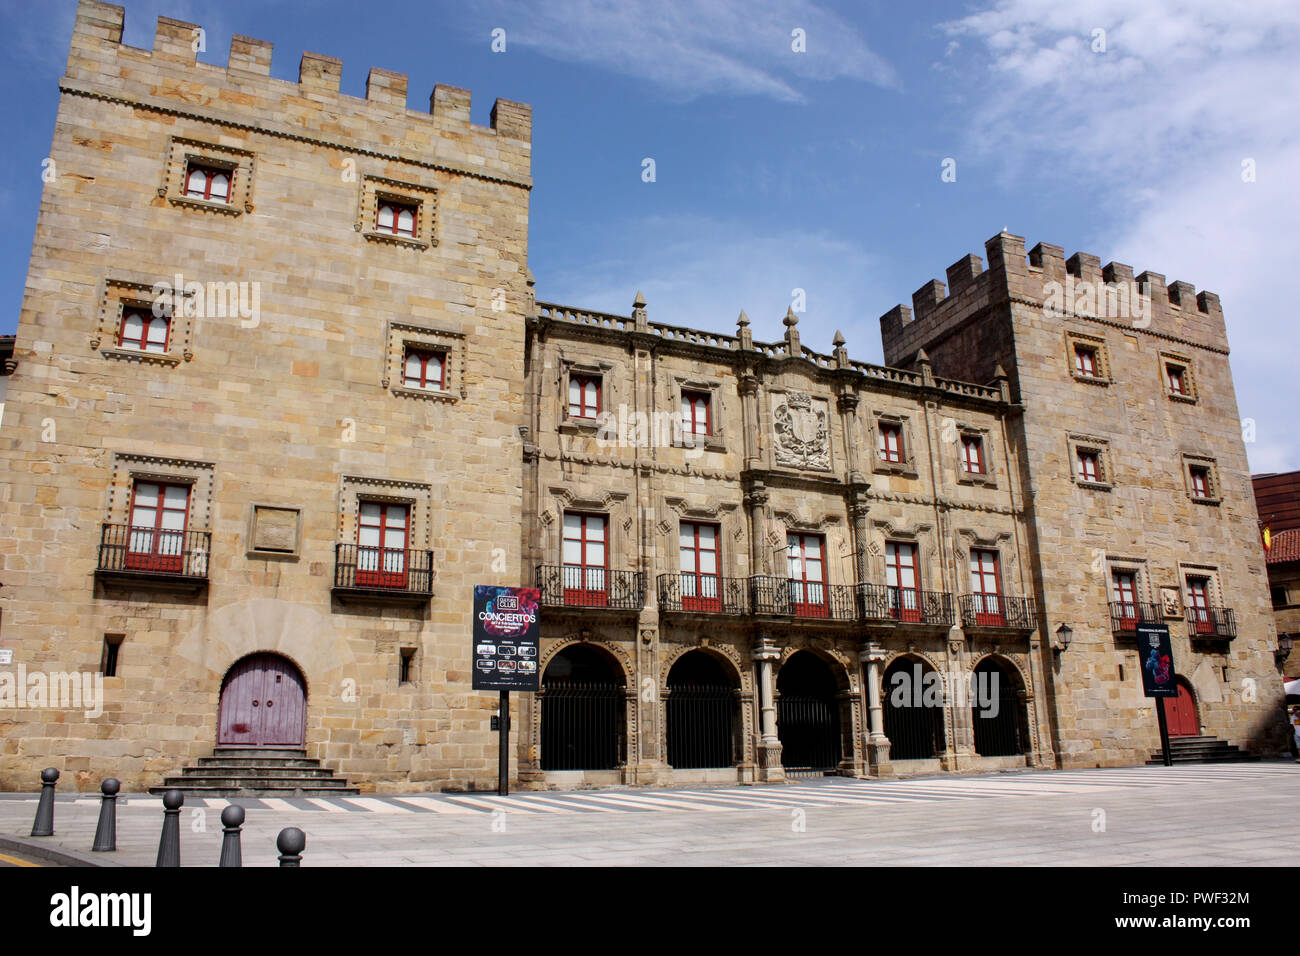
[
  {"x": 583, "y": 711},
  {"x": 701, "y": 711},
  {"x": 808, "y": 715}
]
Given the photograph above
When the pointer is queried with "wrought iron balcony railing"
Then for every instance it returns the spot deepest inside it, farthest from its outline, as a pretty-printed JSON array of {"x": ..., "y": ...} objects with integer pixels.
[
  {"x": 880, "y": 602},
  {"x": 132, "y": 553},
  {"x": 1125, "y": 616},
  {"x": 802, "y": 599},
  {"x": 1218, "y": 623},
  {"x": 591, "y": 587},
  {"x": 996, "y": 610},
  {"x": 703, "y": 593},
  {"x": 396, "y": 573}
]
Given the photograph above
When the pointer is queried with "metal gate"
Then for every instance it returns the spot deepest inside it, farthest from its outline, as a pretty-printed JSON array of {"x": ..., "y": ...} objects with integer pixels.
[
  {"x": 582, "y": 725},
  {"x": 809, "y": 728},
  {"x": 1002, "y": 734},
  {"x": 915, "y": 729},
  {"x": 701, "y": 726}
]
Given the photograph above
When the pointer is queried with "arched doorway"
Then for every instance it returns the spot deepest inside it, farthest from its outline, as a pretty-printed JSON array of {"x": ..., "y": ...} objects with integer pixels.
[
  {"x": 1180, "y": 712},
  {"x": 913, "y": 695},
  {"x": 263, "y": 704},
  {"x": 700, "y": 711},
  {"x": 582, "y": 711},
  {"x": 808, "y": 714},
  {"x": 998, "y": 710}
]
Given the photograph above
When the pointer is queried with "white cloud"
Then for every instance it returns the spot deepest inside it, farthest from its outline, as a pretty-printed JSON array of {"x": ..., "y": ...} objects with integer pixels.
[
  {"x": 692, "y": 47},
  {"x": 1155, "y": 130},
  {"x": 700, "y": 272}
]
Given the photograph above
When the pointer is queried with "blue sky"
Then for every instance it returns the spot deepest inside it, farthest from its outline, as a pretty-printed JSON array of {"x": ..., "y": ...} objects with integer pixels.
[{"x": 820, "y": 170}]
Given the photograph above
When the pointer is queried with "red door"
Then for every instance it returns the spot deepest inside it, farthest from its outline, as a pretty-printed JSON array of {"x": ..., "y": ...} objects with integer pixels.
[
  {"x": 159, "y": 515},
  {"x": 807, "y": 581},
  {"x": 263, "y": 704},
  {"x": 381, "y": 545},
  {"x": 1180, "y": 713}
]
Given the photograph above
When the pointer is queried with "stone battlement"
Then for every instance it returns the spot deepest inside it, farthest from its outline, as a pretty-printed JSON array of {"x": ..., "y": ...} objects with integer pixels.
[
  {"x": 169, "y": 78},
  {"x": 1079, "y": 287}
]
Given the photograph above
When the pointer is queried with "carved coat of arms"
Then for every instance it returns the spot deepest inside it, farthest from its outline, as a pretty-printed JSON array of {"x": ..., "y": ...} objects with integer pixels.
[{"x": 802, "y": 433}]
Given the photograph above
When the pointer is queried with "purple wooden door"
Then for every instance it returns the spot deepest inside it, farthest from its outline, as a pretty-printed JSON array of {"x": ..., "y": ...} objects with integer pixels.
[{"x": 263, "y": 704}]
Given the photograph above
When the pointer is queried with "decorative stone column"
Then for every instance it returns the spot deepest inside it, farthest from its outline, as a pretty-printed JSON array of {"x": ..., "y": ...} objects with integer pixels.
[
  {"x": 770, "y": 769},
  {"x": 958, "y": 705},
  {"x": 756, "y": 498},
  {"x": 876, "y": 743}
]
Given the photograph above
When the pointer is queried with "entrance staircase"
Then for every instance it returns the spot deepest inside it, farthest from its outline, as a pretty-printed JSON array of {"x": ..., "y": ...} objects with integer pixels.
[
  {"x": 1201, "y": 750},
  {"x": 258, "y": 772}
]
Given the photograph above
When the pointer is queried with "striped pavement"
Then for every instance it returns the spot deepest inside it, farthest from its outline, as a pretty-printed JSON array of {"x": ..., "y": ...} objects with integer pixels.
[{"x": 827, "y": 792}]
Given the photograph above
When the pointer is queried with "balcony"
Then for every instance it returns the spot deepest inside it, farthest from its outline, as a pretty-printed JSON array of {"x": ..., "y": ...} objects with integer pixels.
[
  {"x": 803, "y": 600},
  {"x": 883, "y": 603},
  {"x": 1125, "y": 616},
  {"x": 150, "y": 558},
  {"x": 595, "y": 588},
  {"x": 1211, "y": 623},
  {"x": 999, "y": 612},
  {"x": 382, "y": 575},
  {"x": 703, "y": 594}
]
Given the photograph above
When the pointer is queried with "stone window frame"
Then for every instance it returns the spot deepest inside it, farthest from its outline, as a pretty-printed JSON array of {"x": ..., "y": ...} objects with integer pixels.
[
  {"x": 987, "y": 478},
  {"x": 921, "y": 536},
  {"x": 117, "y": 295},
  {"x": 416, "y": 495},
  {"x": 1167, "y": 359},
  {"x": 1213, "y": 591},
  {"x": 596, "y": 369},
  {"x": 252, "y": 551},
  {"x": 620, "y": 542},
  {"x": 403, "y": 335},
  {"x": 716, "y": 439},
  {"x": 906, "y": 468},
  {"x": 424, "y": 198},
  {"x": 1191, "y": 461},
  {"x": 1101, "y": 448},
  {"x": 128, "y": 468},
  {"x": 1098, "y": 345},
  {"x": 1139, "y": 568},
  {"x": 181, "y": 151}
]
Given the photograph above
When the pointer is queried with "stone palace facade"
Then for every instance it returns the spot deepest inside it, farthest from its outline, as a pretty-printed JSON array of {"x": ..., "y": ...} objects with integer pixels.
[{"x": 283, "y": 395}]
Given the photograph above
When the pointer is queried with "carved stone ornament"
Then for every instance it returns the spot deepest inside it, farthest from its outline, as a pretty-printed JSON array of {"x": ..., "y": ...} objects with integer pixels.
[{"x": 802, "y": 433}]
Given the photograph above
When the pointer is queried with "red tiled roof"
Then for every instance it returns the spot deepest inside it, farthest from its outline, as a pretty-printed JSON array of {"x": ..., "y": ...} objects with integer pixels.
[{"x": 1286, "y": 547}]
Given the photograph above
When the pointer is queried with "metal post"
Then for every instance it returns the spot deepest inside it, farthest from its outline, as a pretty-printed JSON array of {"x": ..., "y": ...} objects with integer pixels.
[
  {"x": 291, "y": 842},
  {"x": 1164, "y": 732},
  {"x": 232, "y": 818},
  {"x": 44, "y": 823},
  {"x": 169, "y": 845},
  {"x": 503, "y": 746},
  {"x": 106, "y": 830}
]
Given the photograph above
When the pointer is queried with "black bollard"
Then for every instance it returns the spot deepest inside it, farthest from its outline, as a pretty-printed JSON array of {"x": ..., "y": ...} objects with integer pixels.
[
  {"x": 44, "y": 825},
  {"x": 106, "y": 831},
  {"x": 169, "y": 847},
  {"x": 291, "y": 843},
  {"x": 232, "y": 818}
]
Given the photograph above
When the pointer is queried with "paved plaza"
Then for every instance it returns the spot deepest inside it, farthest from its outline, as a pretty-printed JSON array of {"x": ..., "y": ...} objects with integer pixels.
[{"x": 1191, "y": 815}]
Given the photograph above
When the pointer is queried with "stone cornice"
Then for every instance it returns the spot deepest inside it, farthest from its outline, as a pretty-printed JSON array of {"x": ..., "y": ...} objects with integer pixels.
[{"x": 281, "y": 131}]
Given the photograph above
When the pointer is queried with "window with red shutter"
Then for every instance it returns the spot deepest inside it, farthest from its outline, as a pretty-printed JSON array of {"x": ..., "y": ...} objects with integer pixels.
[
  {"x": 382, "y": 530},
  {"x": 805, "y": 557},
  {"x": 586, "y": 559},
  {"x": 143, "y": 330},
  {"x": 985, "y": 585},
  {"x": 902, "y": 579},
  {"x": 889, "y": 442},
  {"x": 159, "y": 519},
  {"x": 697, "y": 413},
  {"x": 972, "y": 450},
  {"x": 699, "y": 562},
  {"x": 584, "y": 396}
]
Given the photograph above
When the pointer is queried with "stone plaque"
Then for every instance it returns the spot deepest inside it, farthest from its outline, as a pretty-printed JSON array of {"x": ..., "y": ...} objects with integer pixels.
[
  {"x": 275, "y": 529},
  {"x": 803, "y": 434},
  {"x": 1170, "y": 602}
]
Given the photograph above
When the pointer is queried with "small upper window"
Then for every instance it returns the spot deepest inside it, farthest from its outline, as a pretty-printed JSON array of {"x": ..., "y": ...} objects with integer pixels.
[
  {"x": 697, "y": 417},
  {"x": 143, "y": 330},
  {"x": 1089, "y": 465},
  {"x": 424, "y": 370},
  {"x": 1085, "y": 361},
  {"x": 207, "y": 182},
  {"x": 396, "y": 218},
  {"x": 1200, "y": 481},
  {"x": 972, "y": 450},
  {"x": 1176, "y": 377},
  {"x": 584, "y": 396},
  {"x": 889, "y": 442}
]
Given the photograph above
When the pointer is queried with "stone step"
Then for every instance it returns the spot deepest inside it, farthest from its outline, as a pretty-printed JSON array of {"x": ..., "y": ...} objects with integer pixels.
[
  {"x": 251, "y": 783},
  {"x": 243, "y": 770},
  {"x": 239, "y": 760},
  {"x": 259, "y": 791},
  {"x": 274, "y": 752}
]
